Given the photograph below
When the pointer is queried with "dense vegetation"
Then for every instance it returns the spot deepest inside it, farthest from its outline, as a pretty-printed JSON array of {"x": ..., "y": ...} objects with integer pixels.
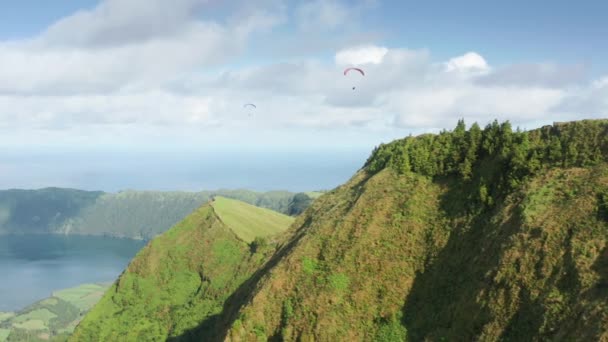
[
  {"x": 131, "y": 214},
  {"x": 475, "y": 234},
  {"x": 51, "y": 319},
  {"x": 183, "y": 277},
  {"x": 494, "y": 161}
]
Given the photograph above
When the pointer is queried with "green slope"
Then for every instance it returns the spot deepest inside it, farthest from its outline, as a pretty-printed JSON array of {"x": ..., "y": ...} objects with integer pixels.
[
  {"x": 182, "y": 278},
  {"x": 355, "y": 254},
  {"x": 248, "y": 221}
]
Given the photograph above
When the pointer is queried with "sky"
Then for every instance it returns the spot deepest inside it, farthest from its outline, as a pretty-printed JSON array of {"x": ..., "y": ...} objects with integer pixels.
[{"x": 149, "y": 94}]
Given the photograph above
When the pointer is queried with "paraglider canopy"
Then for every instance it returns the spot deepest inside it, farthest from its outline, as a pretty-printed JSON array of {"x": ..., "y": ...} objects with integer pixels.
[
  {"x": 249, "y": 104},
  {"x": 347, "y": 70}
]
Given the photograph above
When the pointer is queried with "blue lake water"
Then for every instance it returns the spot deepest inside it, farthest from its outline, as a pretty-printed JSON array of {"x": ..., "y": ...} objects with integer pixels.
[{"x": 31, "y": 267}]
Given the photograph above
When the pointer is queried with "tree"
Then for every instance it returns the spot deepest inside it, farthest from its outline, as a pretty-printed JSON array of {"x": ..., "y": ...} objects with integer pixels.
[
  {"x": 506, "y": 139},
  {"x": 554, "y": 152}
]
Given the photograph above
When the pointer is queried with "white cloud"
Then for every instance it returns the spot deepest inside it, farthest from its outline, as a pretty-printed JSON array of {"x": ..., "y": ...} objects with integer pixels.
[
  {"x": 590, "y": 101},
  {"x": 600, "y": 83},
  {"x": 145, "y": 108},
  {"x": 120, "y": 22},
  {"x": 361, "y": 55},
  {"x": 470, "y": 61},
  {"x": 121, "y": 44},
  {"x": 538, "y": 74},
  {"x": 35, "y": 70},
  {"x": 80, "y": 81},
  {"x": 407, "y": 89}
]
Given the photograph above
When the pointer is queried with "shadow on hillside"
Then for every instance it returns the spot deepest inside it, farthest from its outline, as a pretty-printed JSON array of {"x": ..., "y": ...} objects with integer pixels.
[
  {"x": 588, "y": 317},
  {"x": 591, "y": 323},
  {"x": 601, "y": 267},
  {"x": 450, "y": 299},
  {"x": 528, "y": 319},
  {"x": 216, "y": 327},
  {"x": 443, "y": 301}
]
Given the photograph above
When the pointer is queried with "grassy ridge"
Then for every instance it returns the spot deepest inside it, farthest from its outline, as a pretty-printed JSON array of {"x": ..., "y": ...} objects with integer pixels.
[
  {"x": 178, "y": 283},
  {"x": 248, "y": 221},
  {"x": 53, "y": 318}
]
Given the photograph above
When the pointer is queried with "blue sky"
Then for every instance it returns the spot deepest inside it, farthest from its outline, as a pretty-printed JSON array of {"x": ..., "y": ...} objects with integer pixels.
[
  {"x": 23, "y": 19},
  {"x": 502, "y": 31},
  {"x": 505, "y": 32},
  {"x": 87, "y": 78}
]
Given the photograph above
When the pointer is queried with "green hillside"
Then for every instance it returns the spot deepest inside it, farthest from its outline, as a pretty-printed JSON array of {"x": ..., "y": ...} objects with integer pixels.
[
  {"x": 182, "y": 278},
  {"x": 130, "y": 214},
  {"x": 468, "y": 235},
  {"x": 248, "y": 221},
  {"x": 51, "y": 319}
]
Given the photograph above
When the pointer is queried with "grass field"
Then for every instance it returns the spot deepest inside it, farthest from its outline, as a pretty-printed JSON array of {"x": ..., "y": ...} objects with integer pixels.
[
  {"x": 42, "y": 315},
  {"x": 83, "y": 297},
  {"x": 4, "y": 334},
  {"x": 5, "y": 315},
  {"x": 49, "y": 301},
  {"x": 248, "y": 221},
  {"x": 31, "y": 324},
  {"x": 59, "y": 313}
]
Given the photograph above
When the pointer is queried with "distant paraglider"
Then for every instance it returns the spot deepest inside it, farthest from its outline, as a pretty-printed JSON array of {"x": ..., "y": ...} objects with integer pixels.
[
  {"x": 250, "y": 107},
  {"x": 347, "y": 70}
]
